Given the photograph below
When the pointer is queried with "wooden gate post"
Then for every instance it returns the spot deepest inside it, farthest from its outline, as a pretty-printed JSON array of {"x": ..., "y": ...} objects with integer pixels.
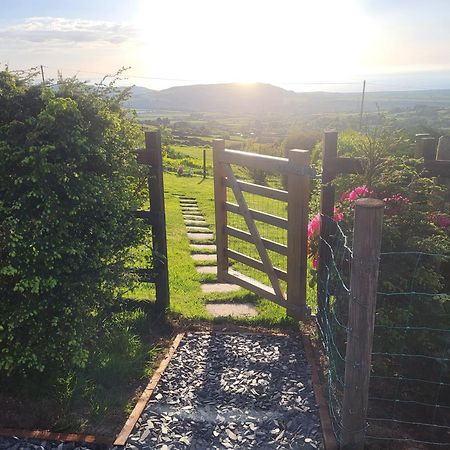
[
  {"x": 159, "y": 239},
  {"x": 298, "y": 202},
  {"x": 326, "y": 210},
  {"x": 361, "y": 318},
  {"x": 419, "y": 144},
  {"x": 220, "y": 198},
  {"x": 429, "y": 148}
]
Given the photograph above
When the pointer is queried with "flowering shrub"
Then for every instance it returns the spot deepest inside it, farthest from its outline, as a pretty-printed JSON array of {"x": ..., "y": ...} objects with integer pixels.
[
  {"x": 340, "y": 213},
  {"x": 398, "y": 210}
]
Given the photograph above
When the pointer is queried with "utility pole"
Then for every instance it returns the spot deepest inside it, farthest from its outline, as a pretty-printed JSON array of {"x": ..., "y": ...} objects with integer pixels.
[
  {"x": 42, "y": 73},
  {"x": 362, "y": 105}
]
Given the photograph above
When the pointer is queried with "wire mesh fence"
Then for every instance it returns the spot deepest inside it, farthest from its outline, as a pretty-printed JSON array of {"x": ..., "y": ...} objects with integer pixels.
[{"x": 409, "y": 394}]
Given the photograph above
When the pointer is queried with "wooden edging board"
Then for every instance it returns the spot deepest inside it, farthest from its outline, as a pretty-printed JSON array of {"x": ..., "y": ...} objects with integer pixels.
[
  {"x": 122, "y": 437},
  {"x": 325, "y": 420},
  {"x": 49, "y": 436}
]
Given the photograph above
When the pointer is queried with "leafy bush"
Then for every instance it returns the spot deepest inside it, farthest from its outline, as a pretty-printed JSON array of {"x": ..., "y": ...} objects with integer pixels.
[
  {"x": 66, "y": 185},
  {"x": 413, "y": 305}
]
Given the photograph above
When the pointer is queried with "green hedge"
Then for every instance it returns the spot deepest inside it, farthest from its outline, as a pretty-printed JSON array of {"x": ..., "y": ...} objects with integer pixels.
[{"x": 66, "y": 184}]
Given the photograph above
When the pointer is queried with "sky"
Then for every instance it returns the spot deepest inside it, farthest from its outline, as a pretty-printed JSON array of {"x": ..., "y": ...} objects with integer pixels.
[{"x": 302, "y": 45}]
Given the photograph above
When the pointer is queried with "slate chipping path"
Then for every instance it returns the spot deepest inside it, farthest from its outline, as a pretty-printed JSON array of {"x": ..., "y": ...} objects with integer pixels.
[{"x": 232, "y": 392}]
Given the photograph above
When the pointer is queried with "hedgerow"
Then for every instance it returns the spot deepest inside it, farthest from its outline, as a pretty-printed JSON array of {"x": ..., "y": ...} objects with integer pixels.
[{"x": 66, "y": 186}]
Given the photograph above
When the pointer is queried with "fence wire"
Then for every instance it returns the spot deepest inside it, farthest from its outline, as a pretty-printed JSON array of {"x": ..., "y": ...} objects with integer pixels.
[{"x": 409, "y": 394}]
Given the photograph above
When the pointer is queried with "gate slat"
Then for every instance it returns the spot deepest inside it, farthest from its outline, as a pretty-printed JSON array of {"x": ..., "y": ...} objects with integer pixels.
[
  {"x": 254, "y": 160},
  {"x": 252, "y": 262},
  {"x": 269, "y": 219},
  {"x": 276, "y": 194},
  {"x": 247, "y": 237},
  {"x": 243, "y": 207},
  {"x": 233, "y": 276}
]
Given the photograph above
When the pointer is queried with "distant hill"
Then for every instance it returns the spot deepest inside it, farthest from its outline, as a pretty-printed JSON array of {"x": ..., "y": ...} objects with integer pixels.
[{"x": 264, "y": 98}]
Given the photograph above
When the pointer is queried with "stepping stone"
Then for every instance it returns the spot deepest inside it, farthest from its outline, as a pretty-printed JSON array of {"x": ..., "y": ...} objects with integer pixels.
[
  {"x": 204, "y": 247},
  {"x": 189, "y": 208},
  {"x": 211, "y": 257},
  {"x": 219, "y": 287},
  {"x": 198, "y": 230},
  {"x": 207, "y": 269},
  {"x": 193, "y": 216},
  {"x": 231, "y": 309},
  {"x": 195, "y": 223},
  {"x": 200, "y": 236},
  {"x": 185, "y": 201}
]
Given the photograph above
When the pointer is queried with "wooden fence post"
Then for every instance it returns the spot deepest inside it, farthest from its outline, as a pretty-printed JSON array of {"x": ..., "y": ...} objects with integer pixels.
[
  {"x": 429, "y": 148},
  {"x": 419, "y": 144},
  {"x": 204, "y": 163},
  {"x": 327, "y": 228},
  {"x": 220, "y": 198},
  {"x": 159, "y": 239},
  {"x": 298, "y": 201},
  {"x": 361, "y": 318}
]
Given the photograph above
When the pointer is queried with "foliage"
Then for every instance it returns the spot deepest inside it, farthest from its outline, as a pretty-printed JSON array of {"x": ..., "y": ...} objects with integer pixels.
[
  {"x": 259, "y": 176},
  {"x": 66, "y": 185},
  {"x": 411, "y": 312},
  {"x": 301, "y": 139}
]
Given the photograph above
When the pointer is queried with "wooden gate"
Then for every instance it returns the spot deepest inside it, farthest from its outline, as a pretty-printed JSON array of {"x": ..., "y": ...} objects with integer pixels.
[{"x": 291, "y": 291}]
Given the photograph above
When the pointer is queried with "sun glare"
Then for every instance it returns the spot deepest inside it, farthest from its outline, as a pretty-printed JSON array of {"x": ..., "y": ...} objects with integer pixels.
[{"x": 248, "y": 42}]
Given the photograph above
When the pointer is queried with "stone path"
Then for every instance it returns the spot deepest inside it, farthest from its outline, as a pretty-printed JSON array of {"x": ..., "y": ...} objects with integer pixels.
[
  {"x": 232, "y": 392},
  {"x": 202, "y": 244},
  {"x": 203, "y": 250}
]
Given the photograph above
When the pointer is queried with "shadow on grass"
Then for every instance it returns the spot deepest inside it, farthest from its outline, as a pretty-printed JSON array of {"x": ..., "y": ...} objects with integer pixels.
[{"x": 95, "y": 399}]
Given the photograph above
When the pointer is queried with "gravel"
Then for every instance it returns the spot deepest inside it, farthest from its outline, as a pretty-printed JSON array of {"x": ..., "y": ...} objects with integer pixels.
[
  {"x": 232, "y": 392},
  {"x": 222, "y": 392},
  {"x": 15, "y": 443}
]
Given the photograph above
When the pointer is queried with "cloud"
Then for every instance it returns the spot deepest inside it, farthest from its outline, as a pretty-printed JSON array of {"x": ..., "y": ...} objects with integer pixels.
[{"x": 61, "y": 30}]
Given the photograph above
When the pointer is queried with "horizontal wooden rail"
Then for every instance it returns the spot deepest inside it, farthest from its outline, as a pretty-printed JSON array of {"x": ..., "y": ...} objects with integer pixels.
[
  {"x": 258, "y": 215},
  {"x": 233, "y": 276},
  {"x": 247, "y": 237},
  {"x": 438, "y": 167},
  {"x": 256, "y": 264},
  {"x": 254, "y": 160},
  {"x": 265, "y": 191},
  {"x": 343, "y": 165}
]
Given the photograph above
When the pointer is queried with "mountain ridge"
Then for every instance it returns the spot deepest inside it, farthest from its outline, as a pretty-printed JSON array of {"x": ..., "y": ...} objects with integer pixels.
[{"x": 266, "y": 98}]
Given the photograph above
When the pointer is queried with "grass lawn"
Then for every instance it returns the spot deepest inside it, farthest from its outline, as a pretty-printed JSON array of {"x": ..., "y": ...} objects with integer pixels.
[
  {"x": 186, "y": 296},
  {"x": 98, "y": 399}
]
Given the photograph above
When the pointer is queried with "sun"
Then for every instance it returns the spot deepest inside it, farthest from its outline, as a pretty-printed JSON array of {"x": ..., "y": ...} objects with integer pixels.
[{"x": 291, "y": 43}]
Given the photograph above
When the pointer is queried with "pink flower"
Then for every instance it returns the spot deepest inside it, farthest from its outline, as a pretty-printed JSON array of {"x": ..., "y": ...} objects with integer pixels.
[
  {"x": 338, "y": 215},
  {"x": 397, "y": 198},
  {"x": 441, "y": 220},
  {"x": 314, "y": 226},
  {"x": 358, "y": 192},
  {"x": 315, "y": 263},
  {"x": 344, "y": 196}
]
